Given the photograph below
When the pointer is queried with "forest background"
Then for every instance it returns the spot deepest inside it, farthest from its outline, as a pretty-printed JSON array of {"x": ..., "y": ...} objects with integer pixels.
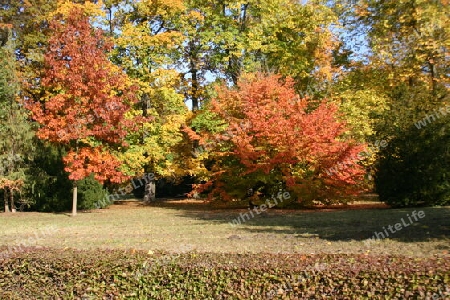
[{"x": 323, "y": 99}]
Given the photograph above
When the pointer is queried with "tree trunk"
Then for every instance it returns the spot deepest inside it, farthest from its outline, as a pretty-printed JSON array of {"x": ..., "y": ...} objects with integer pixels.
[
  {"x": 13, "y": 207},
  {"x": 193, "y": 69},
  {"x": 150, "y": 191},
  {"x": 74, "y": 199},
  {"x": 6, "y": 201},
  {"x": 433, "y": 73},
  {"x": 195, "y": 88},
  {"x": 111, "y": 30}
]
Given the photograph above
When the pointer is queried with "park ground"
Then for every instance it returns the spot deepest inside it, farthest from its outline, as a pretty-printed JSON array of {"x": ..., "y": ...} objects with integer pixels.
[{"x": 189, "y": 225}]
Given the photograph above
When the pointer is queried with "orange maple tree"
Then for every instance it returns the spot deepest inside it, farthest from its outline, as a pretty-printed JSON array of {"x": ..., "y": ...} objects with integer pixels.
[
  {"x": 272, "y": 132},
  {"x": 86, "y": 99}
]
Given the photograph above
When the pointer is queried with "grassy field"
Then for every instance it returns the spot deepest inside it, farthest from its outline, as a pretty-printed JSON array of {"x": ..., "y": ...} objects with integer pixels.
[{"x": 184, "y": 226}]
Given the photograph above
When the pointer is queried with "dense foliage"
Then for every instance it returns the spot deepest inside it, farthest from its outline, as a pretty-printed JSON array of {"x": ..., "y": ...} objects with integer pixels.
[
  {"x": 15, "y": 131},
  {"x": 413, "y": 169},
  {"x": 413, "y": 52},
  {"x": 128, "y": 87},
  {"x": 270, "y": 136},
  {"x": 137, "y": 275}
]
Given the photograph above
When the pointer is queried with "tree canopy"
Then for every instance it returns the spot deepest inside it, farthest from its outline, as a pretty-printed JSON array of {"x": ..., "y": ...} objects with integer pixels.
[{"x": 268, "y": 95}]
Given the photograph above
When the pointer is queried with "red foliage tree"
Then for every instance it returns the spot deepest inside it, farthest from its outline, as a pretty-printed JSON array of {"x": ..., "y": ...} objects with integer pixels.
[
  {"x": 86, "y": 100},
  {"x": 270, "y": 131}
]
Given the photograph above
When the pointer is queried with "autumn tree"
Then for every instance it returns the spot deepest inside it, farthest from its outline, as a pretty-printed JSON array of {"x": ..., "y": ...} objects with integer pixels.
[
  {"x": 30, "y": 28},
  {"x": 293, "y": 39},
  {"x": 412, "y": 37},
  {"x": 87, "y": 99},
  {"x": 226, "y": 39},
  {"x": 148, "y": 47},
  {"x": 267, "y": 135},
  {"x": 214, "y": 34}
]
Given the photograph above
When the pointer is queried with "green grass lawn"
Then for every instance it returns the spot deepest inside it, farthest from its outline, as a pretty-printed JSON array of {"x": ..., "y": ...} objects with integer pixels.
[{"x": 177, "y": 226}]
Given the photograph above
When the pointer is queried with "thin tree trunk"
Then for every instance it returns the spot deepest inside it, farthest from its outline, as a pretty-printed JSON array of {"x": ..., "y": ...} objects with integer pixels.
[
  {"x": 432, "y": 77},
  {"x": 13, "y": 207},
  {"x": 195, "y": 88},
  {"x": 193, "y": 69},
  {"x": 75, "y": 190},
  {"x": 6, "y": 201},
  {"x": 111, "y": 30},
  {"x": 74, "y": 199}
]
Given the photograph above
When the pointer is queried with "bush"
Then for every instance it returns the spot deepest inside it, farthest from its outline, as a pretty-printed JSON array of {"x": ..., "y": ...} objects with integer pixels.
[
  {"x": 50, "y": 188},
  {"x": 118, "y": 274},
  {"x": 414, "y": 168},
  {"x": 47, "y": 182},
  {"x": 91, "y": 194}
]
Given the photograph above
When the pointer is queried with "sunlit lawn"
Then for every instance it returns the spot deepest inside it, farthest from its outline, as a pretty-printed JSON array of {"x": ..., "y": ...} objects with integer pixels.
[{"x": 180, "y": 227}]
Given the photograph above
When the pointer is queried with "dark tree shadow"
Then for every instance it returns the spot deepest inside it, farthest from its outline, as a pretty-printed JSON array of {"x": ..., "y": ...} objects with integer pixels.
[{"x": 330, "y": 224}]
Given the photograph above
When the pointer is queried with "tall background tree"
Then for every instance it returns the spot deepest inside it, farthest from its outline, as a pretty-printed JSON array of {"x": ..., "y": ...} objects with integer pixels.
[
  {"x": 15, "y": 130},
  {"x": 148, "y": 47},
  {"x": 408, "y": 54}
]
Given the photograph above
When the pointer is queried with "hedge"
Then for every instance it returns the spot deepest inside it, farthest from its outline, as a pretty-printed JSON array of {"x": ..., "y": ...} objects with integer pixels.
[{"x": 114, "y": 274}]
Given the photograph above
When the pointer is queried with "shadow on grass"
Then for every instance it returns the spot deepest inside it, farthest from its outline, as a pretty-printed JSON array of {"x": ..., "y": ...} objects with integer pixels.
[{"x": 330, "y": 224}]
